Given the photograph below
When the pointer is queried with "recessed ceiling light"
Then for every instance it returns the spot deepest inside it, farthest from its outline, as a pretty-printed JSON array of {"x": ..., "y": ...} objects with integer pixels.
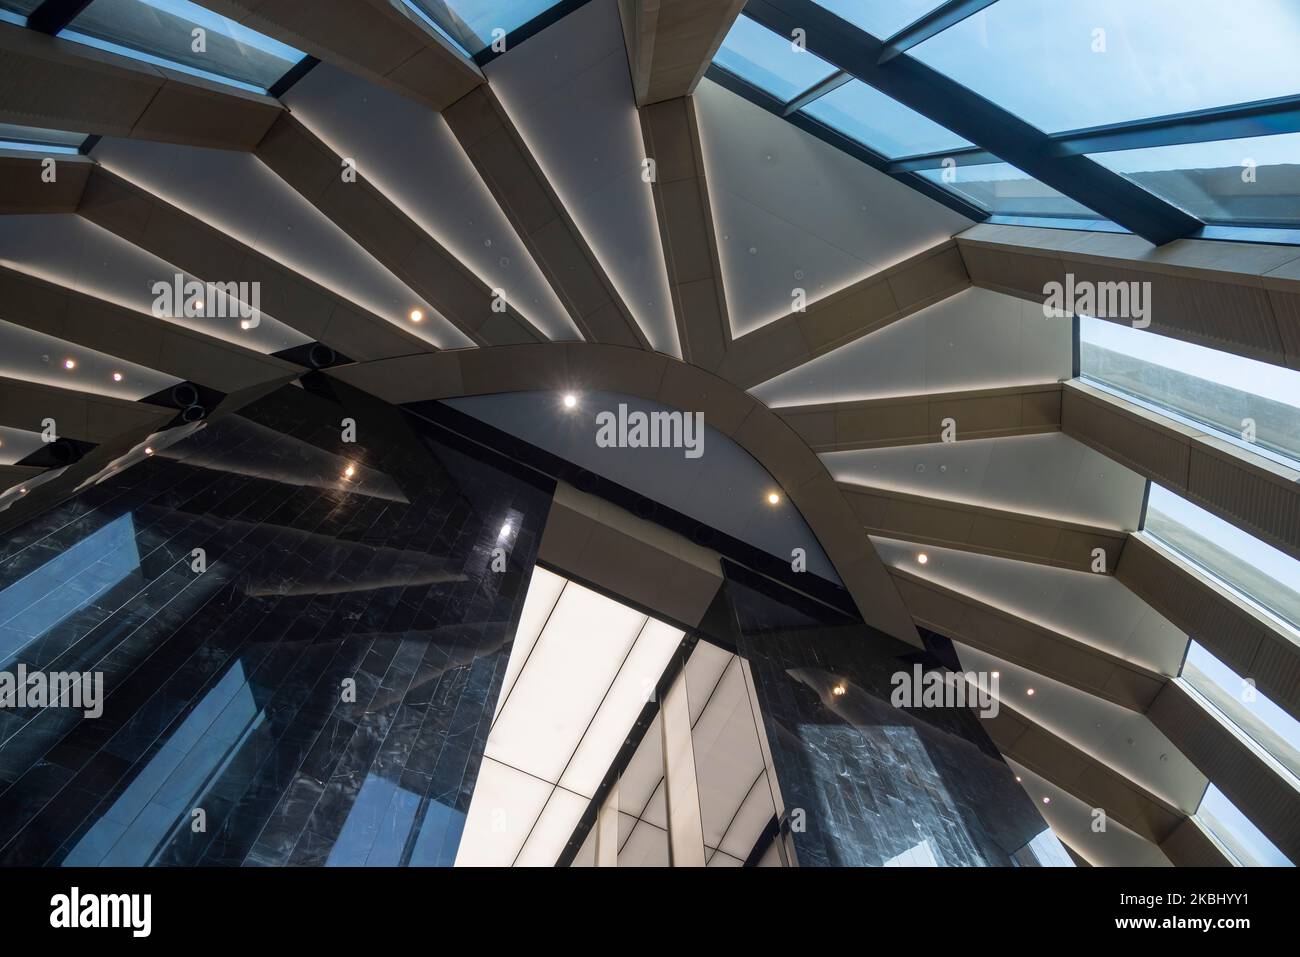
[
  {"x": 570, "y": 401},
  {"x": 245, "y": 324},
  {"x": 838, "y": 690},
  {"x": 350, "y": 471},
  {"x": 506, "y": 529},
  {"x": 1047, "y": 800},
  {"x": 117, "y": 377},
  {"x": 69, "y": 363},
  {"x": 1030, "y": 692},
  {"x": 997, "y": 674},
  {"x": 417, "y": 315},
  {"x": 1017, "y": 778},
  {"x": 148, "y": 450},
  {"x": 922, "y": 558},
  {"x": 773, "y": 498}
]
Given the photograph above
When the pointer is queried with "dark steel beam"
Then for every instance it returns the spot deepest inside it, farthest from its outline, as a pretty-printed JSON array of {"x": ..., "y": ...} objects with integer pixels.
[{"x": 936, "y": 21}]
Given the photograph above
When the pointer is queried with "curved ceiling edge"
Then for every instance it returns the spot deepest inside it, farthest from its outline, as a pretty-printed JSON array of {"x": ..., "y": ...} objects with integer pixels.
[{"x": 585, "y": 366}]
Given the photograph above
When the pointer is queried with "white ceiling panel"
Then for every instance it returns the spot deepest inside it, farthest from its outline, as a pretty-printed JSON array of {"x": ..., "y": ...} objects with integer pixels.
[
  {"x": 976, "y": 339},
  {"x": 553, "y": 829},
  {"x": 443, "y": 192},
  {"x": 238, "y": 194},
  {"x": 569, "y": 93},
  {"x": 539, "y": 601},
  {"x": 17, "y": 444},
  {"x": 504, "y": 807},
  {"x": 35, "y": 357},
  {"x": 1071, "y": 820},
  {"x": 81, "y": 256},
  {"x": 1051, "y": 475},
  {"x": 816, "y": 217},
  {"x": 1095, "y": 609}
]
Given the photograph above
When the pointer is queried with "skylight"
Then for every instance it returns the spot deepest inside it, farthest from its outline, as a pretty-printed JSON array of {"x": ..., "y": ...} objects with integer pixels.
[
  {"x": 1273, "y": 729},
  {"x": 1253, "y": 181},
  {"x": 1244, "y": 840},
  {"x": 1230, "y": 394},
  {"x": 475, "y": 24},
  {"x": 863, "y": 113},
  {"x": 186, "y": 37},
  {"x": 1065, "y": 66},
  {"x": 39, "y": 140},
  {"x": 1004, "y": 190},
  {"x": 881, "y": 18},
  {"x": 1253, "y": 569},
  {"x": 770, "y": 62}
]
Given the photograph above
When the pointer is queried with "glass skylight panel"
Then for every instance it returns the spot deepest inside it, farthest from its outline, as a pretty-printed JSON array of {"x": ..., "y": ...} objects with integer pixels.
[
  {"x": 1004, "y": 190},
  {"x": 1252, "y": 568},
  {"x": 1243, "y": 839},
  {"x": 863, "y": 113},
  {"x": 17, "y": 11},
  {"x": 1236, "y": 396},
  {"x": 475, "y": 24},
  {"x": 185, "y": 37},
  {"x": 39, "y": 140},
  {"x": 1071, "y": 65},
  {"x": 880, "y": 18},
  {"x": 1273, "y": 729},
  {"x": 769, "y": 61},
  {"x": 1253, "y": 181}
]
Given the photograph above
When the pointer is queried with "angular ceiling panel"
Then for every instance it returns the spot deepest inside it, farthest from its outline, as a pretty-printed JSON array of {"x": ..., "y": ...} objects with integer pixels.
[{"x": 976, "y": 339}]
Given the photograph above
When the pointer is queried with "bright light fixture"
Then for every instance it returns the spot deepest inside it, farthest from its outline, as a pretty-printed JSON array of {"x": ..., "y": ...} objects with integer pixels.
[
  {"x": 1030, "y": 692},
  {"x": 350, "y": 471},
  {"x": 417, "y": 315},
  {"x": 117, "y": 377},
  {"x": 69, "y": 363},
  {"x": 922, "y": 558},
  {"x": 773, "y": 498},
  {"x": 570, "y": 401},
  {"x": 838, "y": 690}
]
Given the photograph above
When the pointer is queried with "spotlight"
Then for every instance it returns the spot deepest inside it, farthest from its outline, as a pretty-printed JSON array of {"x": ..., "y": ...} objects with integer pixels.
[
  {"x": 1030, "y": 692},
  {"x": 773, "y": 498},
  {"x": 417, "y": 315},
  {"x": 350, "y": 471},
  {"x": 1017, "y": 779},
  {"x": 838, "y": 690},
  {"x": 245, "y": 324},
  {"x": 148, "y": 450},
  {"x": 922, "y": 558},
  {"x": 506, "y": 529},
  {"x": 570, "y": 401},
  {"x": 1047, "y": 800},
  {"x": 69, "y": 364},
  {"x": 117, "y": 377},
  {"x": 997, "y": 674}
]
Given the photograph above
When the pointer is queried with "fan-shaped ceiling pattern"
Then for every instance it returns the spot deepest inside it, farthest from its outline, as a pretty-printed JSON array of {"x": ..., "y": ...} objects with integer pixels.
[{"x": 832, "y": 228}]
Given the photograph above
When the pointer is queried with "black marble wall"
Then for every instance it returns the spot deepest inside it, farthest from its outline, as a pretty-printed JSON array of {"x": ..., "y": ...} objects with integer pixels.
[
  {"x": 876, "y": 785},
  {"x": 321, "y": 693}
]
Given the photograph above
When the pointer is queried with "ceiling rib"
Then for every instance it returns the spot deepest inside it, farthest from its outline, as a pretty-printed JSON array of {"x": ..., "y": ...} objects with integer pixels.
[
  {"x": 990, "y": 628},
  {"x": 951, "y": 105},
  {"x": 133, "y": 336},
  {"x": 45, "y": 82},
  {"x": 25, "y": 186},
  {"x": 370, "y": 38},
  {"x": 947, "y": 14},
  {"x": 302, "y": 160},
  {"x": 81, "y": 416},
  {"x": 670, "y": 130},
  {"x": 670, "y": 43},
  {"x": 1252, "y": 492},
  {"x": 987, "y": 531},
  {"x": 844, "y": 316},
  {"x": 919, "y": 419},
  {"x": 520, "y": 187}
]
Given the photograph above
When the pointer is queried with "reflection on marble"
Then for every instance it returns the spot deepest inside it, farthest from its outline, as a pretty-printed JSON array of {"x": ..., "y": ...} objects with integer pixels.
[
  {"x": 873, "y": 785},
  {"x": 320, "y": 693}
]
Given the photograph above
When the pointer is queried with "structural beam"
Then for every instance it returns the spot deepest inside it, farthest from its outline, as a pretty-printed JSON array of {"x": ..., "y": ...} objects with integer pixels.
[
  {"x": 505, "y": 163},
  {"x": 947, "y": 14},
  {"x": 918, "y": 419},
  {"x": 62, "y": 85},
  {"x": 842, "y": 317},
  {"x": 1190, "y": 845},
  {"x": 681, "y": 789},
  {"x": 557, "y": 366},
  {"x": 1001, "y": 633},
  {"x": 302, "y": 160},
  {"x": 1252, "y": 492},
  {"x": 1253, "y": 782},
  {"x": 1075, "y": 771},
  {"x": 1251, "y": 643},
  {"x": 670, "y": 43},
  {"x": 946, "y": 102},
  {"x": 212, "y": 255},
  {"x": 375, "y": 39},
  {"x": 1242, "y": 298},
  {"x": 670, "y": 131},
  {"x": 134, "y": 336},
  {"x": 32, "y": 183},
  {"x": 77, "y": 415},
  {"x": 988, "y": 531}
]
